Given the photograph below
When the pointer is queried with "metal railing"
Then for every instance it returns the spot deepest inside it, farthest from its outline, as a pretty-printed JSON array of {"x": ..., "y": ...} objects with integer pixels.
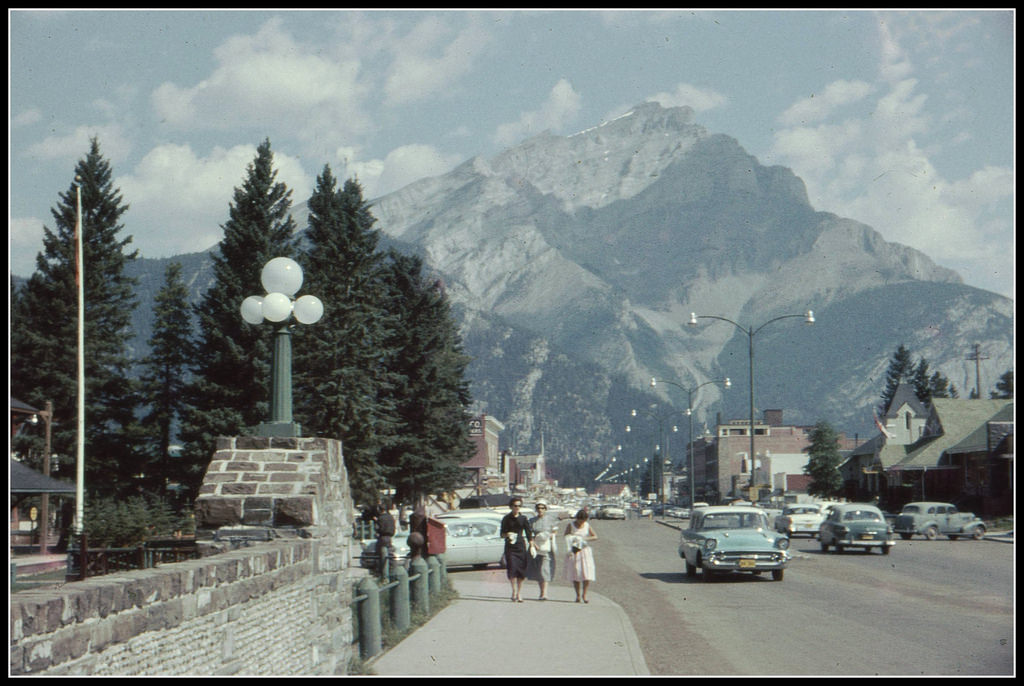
[
  {"x": 83, "y": 562},
  {"x": 403, "y": 593}
]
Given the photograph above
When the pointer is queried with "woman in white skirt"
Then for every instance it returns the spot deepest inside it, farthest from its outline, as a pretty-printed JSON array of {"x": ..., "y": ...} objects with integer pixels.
[
  {"x": 579, "y": 560},
  {"x": 541, "y": 566}
]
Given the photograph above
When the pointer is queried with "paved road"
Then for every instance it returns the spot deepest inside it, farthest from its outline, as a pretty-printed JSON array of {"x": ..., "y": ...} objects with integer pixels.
[{"x": 929, "y": 608}]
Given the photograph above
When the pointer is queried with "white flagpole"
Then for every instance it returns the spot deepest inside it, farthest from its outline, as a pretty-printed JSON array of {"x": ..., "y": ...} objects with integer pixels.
[{"x": 80, "y": 281}]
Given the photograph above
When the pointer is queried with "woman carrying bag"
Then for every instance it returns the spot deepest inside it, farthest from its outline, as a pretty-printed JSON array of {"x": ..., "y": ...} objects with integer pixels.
[
  {"x": 579, "y": 560},
  {"x": 541, "y": 567}
]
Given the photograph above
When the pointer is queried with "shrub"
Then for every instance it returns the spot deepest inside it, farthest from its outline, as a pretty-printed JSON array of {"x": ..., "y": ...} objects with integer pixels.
[{"x": 109, "y": 523}]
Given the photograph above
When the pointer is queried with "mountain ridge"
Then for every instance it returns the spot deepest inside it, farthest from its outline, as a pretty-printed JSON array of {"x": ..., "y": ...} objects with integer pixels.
[{"x": 573, "y": 264}]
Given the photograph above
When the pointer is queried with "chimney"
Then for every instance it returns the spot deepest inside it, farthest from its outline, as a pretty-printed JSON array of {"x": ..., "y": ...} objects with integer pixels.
[{"x": 773, "y": 417}]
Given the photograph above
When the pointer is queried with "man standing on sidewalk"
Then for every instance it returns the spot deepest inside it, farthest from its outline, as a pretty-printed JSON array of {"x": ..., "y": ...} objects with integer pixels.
[{"x": 385, "y": 530}]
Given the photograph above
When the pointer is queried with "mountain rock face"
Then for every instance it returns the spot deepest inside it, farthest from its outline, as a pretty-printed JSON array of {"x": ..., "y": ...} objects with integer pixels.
[
  {"x": 602, "y": 243},
  {"x": 574, "y": 264}
]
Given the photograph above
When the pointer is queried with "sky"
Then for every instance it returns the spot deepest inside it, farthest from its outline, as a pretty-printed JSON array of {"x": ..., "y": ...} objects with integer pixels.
[{"x": 901, "y": 120}]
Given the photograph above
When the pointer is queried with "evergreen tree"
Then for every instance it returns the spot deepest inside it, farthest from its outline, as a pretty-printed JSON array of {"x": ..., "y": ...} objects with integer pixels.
[
  {"x": 1004, "y": 387},
  {"x": 432, "y": 394},
  {"x": 44, "y": 323},
  {"x": 230, "y": 388},
  {"x": 922, "y": 382},
  {"x": 340, "y": 372},
  {"x": 163, "y": 379},
  {"x": 901, "y": 367},
  {"x": 940, "y": 387},
  {"x": 823, "y": 464}
]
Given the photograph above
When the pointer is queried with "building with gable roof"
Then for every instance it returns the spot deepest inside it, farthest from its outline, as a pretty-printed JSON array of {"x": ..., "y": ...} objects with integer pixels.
[{"x": 951, "y": 450}]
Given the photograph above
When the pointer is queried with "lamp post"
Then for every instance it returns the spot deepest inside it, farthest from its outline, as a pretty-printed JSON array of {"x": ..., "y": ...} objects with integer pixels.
[
  {"x": 282, "y": 278},
  {"x": 662, "y": 435},
  {"x": 689, "y": 414},
  {"x": 808, "y": 318},
  {"x": 44, "y": 500}
]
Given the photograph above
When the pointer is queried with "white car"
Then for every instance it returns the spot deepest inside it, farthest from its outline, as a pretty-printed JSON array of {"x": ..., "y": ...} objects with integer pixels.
[{"x": 801, "y": 519}]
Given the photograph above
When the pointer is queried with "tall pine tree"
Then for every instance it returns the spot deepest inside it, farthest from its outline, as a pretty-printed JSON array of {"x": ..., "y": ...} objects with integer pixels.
[
  {"x": 1004, "y": 387},
  {"x": 340, "y": 370},
  {"x": 901, "y": 368},
  {"x": 432, "y": 394},
  {"x": 164, "y": 379},
  {"x": 44, "y": 321},
  {"x": 823, "y": 462},
  {"x": 230, "y": 389}
]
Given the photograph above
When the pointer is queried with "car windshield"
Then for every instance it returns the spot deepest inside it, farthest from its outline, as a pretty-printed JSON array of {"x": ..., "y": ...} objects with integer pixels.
[
  {"x": 862, "y": 515},
  {"x": 733, "y": 520}
]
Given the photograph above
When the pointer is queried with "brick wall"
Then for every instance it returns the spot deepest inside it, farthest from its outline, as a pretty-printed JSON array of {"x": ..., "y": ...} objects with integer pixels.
[{"x": 282, "y": 607}]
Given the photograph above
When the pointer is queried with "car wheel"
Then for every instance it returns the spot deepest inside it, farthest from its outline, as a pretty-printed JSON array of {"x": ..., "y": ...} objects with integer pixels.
[
  {"x": 839, "y": 548},
  {"x": 978, "y": 533},
  {"x": 691, "y": 571},
  {"x": 824, "y": 546},
  {"x": 906, "y": 537},
  {"x": 885, "y": 549},
  {"x": 777, "y": 574},
  {"x": 931, "y": 533}
]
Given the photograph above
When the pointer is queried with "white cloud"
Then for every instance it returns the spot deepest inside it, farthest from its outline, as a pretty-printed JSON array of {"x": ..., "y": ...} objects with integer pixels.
[
  {"x": 26, "y": 118},
  {"x": 872, "y": 168},
  {"x": 817, "y": 108},
  {"x": 426, "y": 64},
  {"x": 400, "y": 167},
  {"x": 700, "y": 99},
  {"x": 269, "y": 80},
  {"x": 71, "y": 147},
  {"x": 409, "y": 163},
  {"x": 561, "y": 107},
  {"x": 179, "y": 200},
  {"x": 25, "y": 241}
]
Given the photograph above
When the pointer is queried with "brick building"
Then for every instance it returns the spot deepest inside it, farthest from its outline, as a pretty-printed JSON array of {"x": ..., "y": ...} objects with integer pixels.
[{"x": 725, "y": 469}]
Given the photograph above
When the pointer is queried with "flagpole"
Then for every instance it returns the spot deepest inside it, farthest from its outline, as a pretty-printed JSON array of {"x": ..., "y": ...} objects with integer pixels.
[{"x": 80, "y": 282}]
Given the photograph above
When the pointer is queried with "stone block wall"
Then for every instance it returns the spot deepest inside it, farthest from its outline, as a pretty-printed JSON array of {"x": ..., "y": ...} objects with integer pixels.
[{"x": 283, "y": 607}]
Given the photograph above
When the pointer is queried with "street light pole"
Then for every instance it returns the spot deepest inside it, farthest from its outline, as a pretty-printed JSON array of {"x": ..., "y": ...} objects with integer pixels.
[
  {"x": 808, "y": 318},
  {"x": 689, "y": 413},
  {"x": 662, "y": 436},
  {"x": 282, "y": 278}
]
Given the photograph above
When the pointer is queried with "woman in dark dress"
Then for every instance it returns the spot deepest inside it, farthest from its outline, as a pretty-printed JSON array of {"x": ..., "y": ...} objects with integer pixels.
[{"x": 515, "y": 529}]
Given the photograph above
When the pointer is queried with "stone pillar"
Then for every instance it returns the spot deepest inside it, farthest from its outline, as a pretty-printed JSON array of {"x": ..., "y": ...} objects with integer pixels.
[{"x": 274, "y": 482}]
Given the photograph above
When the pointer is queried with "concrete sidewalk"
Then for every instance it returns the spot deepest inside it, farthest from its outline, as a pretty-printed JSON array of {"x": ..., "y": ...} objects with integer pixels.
[{"x": 484, "y": 633}]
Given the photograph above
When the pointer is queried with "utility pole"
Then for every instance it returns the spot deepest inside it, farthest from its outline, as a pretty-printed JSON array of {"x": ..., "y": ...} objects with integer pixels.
[{"x": 977, "y": 357}]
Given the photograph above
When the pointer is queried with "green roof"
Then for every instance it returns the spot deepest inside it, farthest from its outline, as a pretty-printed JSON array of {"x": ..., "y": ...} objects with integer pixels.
[{"x": 964, "y": 429}]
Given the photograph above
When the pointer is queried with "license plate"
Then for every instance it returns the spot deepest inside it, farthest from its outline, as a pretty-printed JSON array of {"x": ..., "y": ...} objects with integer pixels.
[
  {"x": 747, "y": 564},
  {"x": 867, "y": 537}
]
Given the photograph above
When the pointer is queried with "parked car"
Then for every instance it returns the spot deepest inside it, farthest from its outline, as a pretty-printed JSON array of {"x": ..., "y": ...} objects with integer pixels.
[
  {"x": 368, "y": 558},
  {"x": 855, "y": 525},
  {"x": 800, "y": 519},
  {"x": 473, "y": 541},
  {"x": 470, "y": 540},
  {"x": 931, "y": 519},
  {"x": 610, "y": 512},
  {"x": 732, "y": 538},
  {"x": 678, "y": 512}
]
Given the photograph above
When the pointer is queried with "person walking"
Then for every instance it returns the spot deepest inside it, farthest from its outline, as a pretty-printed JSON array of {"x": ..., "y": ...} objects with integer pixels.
[
  {"x": 385, "y": 531},
  {"x": 541, "y": 565},
  {"x": 579, "y": 561},
  {"x": 515, "y": 529}
]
